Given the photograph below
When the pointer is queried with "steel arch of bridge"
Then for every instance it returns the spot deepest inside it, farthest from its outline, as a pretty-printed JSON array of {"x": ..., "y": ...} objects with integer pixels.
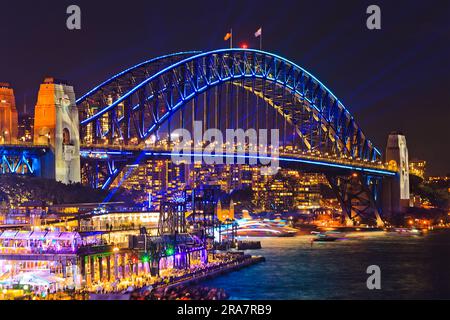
[
  {"x": 127, "y": 79},
  {"x": 137, "y": 106}
]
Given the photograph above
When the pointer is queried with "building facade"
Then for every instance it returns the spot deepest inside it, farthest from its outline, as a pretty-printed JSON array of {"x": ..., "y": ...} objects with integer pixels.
[{"x": 418, "y": 168}]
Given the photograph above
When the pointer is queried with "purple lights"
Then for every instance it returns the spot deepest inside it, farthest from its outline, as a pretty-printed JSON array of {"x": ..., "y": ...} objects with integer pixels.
[{"x": 39, "y": 242}]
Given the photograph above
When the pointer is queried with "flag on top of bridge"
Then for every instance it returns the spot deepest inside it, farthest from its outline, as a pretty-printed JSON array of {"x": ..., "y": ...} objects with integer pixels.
[
  {"x": 228, "y": 36},
  {"x": 258, "y": 33}
]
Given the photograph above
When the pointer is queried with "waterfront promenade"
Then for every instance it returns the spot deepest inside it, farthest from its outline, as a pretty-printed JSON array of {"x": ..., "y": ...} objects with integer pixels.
[{"x": 171, "y": 285}]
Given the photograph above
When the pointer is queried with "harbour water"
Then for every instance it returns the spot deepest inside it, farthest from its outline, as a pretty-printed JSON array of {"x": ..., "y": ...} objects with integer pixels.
[{"x": 412, "y": 267}]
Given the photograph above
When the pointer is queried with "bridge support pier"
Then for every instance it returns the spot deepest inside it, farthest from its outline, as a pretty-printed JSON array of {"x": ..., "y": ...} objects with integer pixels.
[{"x": 359, "y": 197}]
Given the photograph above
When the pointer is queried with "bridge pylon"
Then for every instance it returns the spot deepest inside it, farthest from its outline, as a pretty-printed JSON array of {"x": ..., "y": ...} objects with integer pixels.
[
  {"x": 56, "y": 125},
  {"x": 396, "y": 198},
  {"x": 8, "y": 115}
]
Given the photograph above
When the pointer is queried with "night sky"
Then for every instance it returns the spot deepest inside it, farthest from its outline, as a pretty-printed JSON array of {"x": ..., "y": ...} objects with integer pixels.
[{"x": 397, "y": 78}]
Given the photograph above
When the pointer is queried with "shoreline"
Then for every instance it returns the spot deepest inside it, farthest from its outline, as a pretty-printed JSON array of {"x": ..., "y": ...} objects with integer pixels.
[
  {"x": 230, "y": 267},
  {"x": 190, "y": 279}
]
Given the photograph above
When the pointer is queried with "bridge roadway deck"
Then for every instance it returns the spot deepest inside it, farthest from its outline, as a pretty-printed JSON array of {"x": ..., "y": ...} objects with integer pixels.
[{"x": 307, "y": 161}]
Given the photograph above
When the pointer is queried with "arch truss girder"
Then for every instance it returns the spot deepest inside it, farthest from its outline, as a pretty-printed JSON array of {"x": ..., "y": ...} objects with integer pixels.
[
  {"x": 115, "y": 87},
  {"x": 319, "y": 118},
  {"x": 101, "y": 173}
]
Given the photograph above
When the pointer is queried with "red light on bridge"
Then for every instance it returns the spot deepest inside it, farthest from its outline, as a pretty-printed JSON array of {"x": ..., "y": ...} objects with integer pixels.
[{"x": 244, "y": 46}]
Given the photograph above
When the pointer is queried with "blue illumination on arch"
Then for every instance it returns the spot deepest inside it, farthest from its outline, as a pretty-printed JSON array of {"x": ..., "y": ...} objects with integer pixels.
[
  {"x": 126, "y": 71},
  {"x": 364, "y": 148},
  {"x": 201, "y": 55}
]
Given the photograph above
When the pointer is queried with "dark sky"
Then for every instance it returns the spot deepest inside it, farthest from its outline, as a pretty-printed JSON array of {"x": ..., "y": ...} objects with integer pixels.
[{"x": 397, "y": 78}]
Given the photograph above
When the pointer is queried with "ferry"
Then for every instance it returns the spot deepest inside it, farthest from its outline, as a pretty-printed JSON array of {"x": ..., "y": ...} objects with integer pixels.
[
  {"x": 328, "y": 236},
  {"x": 406, "y": 231},
  {"x": 263, "y": 228}
]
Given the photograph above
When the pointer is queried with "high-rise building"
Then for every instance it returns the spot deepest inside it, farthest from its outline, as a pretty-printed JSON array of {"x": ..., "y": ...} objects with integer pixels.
[
  {"x": 280, "y": 193},
  {"x": 289, "y": 190},
  {"x": 307, "y": 191}
]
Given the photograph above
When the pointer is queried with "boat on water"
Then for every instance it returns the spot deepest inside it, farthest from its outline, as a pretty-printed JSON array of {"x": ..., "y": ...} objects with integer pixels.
[
  {"x": 262, "y": 228},
  {"x": 405, "y": 231},
  {"x": 328, "y": 236}
]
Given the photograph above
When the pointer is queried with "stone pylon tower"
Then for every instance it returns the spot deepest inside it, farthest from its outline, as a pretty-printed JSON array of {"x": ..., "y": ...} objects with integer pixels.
[
  {"x": 56, "y": 124},
  {"x": 396, "y": 192},
  {"x": 8, "y": 115}
]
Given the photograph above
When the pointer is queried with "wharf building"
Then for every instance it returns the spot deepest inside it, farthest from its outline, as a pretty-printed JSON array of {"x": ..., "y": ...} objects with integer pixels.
[{"x": 78, "y": 246}]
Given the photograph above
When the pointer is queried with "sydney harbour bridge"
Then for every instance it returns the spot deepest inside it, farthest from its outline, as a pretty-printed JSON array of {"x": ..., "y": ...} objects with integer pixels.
[{"x": 130, "y": 117}]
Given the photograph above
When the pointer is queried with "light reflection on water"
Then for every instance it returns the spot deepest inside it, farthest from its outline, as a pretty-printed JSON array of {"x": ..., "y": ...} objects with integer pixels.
[{"x": 411, "y": 268}]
